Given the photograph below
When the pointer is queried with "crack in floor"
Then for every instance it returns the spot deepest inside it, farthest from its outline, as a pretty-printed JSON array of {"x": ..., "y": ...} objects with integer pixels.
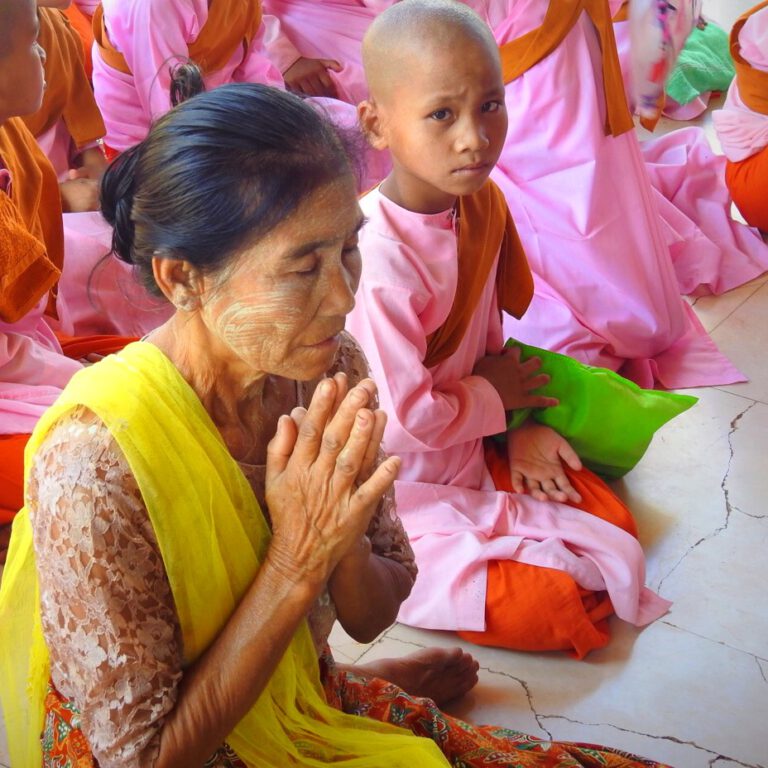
[
  {"x": 762, "y": 669},
  {"x": 733, "y": 648},
  {"x": 528, "y": 695},
  {"x": 674, "y": 739},
  {"x": 734, "y": 425}
]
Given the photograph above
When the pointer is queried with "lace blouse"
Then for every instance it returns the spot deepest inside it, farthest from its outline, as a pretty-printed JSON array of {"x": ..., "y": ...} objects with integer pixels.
[{"x": 107, "y": 610}]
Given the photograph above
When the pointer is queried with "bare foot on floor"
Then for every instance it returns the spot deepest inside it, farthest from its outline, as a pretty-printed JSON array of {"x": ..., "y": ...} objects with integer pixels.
[{"x": 440, "y": 674}]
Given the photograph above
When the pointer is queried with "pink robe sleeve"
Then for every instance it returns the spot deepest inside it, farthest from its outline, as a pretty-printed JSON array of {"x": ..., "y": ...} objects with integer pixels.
[
  {"x": 424, "y": 413},
  {"x": 281, "y": 51},
  {"x": 153, "y": 37},
  {"x": 258, "y": 66}
]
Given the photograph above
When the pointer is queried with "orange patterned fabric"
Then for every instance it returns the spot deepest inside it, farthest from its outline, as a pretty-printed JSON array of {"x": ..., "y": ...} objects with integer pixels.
[
  {"x": 747, "y": 182},
  {"x": 529, "y": 608},
  {"x": 486, "y": 230},
  {"x": 463, "y": 744}
]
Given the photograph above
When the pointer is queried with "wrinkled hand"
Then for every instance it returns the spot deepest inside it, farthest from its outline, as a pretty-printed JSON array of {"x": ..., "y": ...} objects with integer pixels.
[
  {"x": 536, "y": 456},
  {"x": 513, "y": 380},
  {"x": 310, "y": 77},
  {"x": 321, "y": 489},
  {"x": 79, "y": 193}
]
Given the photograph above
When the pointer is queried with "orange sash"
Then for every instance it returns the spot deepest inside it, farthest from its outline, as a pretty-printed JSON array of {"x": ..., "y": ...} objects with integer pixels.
[
  {"x": 83, "y": 25},
  {"x": 752, "y": 83},
  {"x": 623, "y": 13},
  {"x": 68, "y": 91},
  {"x": 35, "y": 195},
  {"x": 519, "y": 55},
  {"x": 486, "y": 230},
  {"x": 231, "y": 23}
]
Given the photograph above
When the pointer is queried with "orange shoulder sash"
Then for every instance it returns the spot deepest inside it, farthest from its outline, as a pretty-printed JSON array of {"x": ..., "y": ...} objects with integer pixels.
[
  {"x": 230, "y": 23},
  {"x": 486, "y": 230},
  {"x": 68, "y": 91},
  {"x": 519, "y": 55}
]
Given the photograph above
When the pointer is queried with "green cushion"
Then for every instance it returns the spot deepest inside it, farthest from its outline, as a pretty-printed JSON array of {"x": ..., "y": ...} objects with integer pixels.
[
  {"x": 608, "y": 420},
  {"x": 704, "y": 64}
]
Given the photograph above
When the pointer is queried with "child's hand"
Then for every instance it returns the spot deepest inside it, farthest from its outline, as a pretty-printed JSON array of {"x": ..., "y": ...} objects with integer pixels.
[
  {"x": 536, "y": 454},
  {"x": 92, "y": 164},
  {"x": 310, "y": 77},
  {"x": 513, "y": 380},
  {"x": 79, "y": 193}
]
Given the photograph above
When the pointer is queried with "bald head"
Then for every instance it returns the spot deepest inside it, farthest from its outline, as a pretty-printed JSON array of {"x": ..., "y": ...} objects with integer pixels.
[{"x": 410, "y": 30}]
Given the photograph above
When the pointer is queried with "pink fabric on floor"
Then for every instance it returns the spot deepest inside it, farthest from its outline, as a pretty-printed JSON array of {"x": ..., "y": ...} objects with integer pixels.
[
  {"x": 589, "y": 220},
  {"x": 743, "y": 132},
  {"x": 710, "y": 251},
  {"x": 437, "y": 419}
]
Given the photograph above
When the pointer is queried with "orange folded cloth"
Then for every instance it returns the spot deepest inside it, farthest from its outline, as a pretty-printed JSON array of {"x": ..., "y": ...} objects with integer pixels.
[
  {"x": 530, "y": 608},
  {"x": 747, "y": 182},
  {"x": 11, "y": 475}
]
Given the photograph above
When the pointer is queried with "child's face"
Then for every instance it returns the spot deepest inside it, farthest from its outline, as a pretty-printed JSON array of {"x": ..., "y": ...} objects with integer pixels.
[
  {"x": 22, "y": 77},
  {"x": 445, "y": 123}
]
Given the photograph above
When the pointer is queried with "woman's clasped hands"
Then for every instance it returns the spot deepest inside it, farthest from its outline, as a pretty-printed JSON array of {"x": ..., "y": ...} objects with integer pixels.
[{"x": 322, "y": 482}]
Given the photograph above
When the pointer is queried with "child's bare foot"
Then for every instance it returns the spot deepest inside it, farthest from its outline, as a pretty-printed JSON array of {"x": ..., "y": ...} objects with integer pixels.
[{"x": 440, "y": 674}]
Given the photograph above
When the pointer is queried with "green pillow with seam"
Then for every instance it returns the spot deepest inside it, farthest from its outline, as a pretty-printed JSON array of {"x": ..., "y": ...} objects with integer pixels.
[{"x": 608, "y": 420}]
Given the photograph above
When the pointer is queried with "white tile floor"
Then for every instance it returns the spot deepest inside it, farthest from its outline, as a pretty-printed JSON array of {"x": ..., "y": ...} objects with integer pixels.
[{"x": 691, "y": 689}]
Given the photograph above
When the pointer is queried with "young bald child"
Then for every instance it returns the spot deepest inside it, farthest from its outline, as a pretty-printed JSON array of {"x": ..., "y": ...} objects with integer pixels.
[{"x": 518, "y": 547}]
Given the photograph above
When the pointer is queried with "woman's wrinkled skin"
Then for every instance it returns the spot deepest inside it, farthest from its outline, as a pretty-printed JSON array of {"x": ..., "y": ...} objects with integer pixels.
[{"x": 242, "y": 337}]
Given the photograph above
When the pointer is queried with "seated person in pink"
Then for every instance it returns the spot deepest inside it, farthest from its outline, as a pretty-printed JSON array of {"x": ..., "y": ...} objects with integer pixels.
[
  {"x": 742, "y": 123},
  {"x": 520, "y": 548}
]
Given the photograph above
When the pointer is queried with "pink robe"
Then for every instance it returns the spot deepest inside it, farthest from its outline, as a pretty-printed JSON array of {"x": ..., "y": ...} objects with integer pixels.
[
  {"x": 607, "y": 287},
  {"x": 325, "y": 29},
  {"x": 33, "y": 368},
  {"x": 742, "y": 131},
  {"x": 151, "y": 36},
  {"x": 437, "y": 419}
]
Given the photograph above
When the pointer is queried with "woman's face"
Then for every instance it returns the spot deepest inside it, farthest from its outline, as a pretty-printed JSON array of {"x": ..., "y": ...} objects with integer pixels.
[{"x": 280, "y": 306}]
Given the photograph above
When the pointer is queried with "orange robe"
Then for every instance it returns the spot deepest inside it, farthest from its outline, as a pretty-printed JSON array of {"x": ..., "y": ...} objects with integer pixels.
[
  {"x": 747, "y": 179},
  {"x": 68, "y": 94},
  {"x": 31, "y": 259},
  {"x": 528, "y": 607}
]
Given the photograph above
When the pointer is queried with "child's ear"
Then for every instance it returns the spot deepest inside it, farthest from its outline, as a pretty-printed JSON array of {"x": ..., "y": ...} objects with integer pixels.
[{"x": 371, "y": 123}]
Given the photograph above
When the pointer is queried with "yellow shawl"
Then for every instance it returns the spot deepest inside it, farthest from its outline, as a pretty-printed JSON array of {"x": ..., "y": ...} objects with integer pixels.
[{"x": 212, "y": 537}]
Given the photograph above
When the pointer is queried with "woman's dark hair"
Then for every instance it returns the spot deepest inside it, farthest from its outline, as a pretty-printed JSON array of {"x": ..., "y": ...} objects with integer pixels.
[{"x": 217, "y": 172}]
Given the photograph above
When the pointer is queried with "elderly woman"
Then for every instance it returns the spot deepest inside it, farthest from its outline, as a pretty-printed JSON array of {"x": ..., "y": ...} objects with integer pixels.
[{"x": 201, "y": 507}]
